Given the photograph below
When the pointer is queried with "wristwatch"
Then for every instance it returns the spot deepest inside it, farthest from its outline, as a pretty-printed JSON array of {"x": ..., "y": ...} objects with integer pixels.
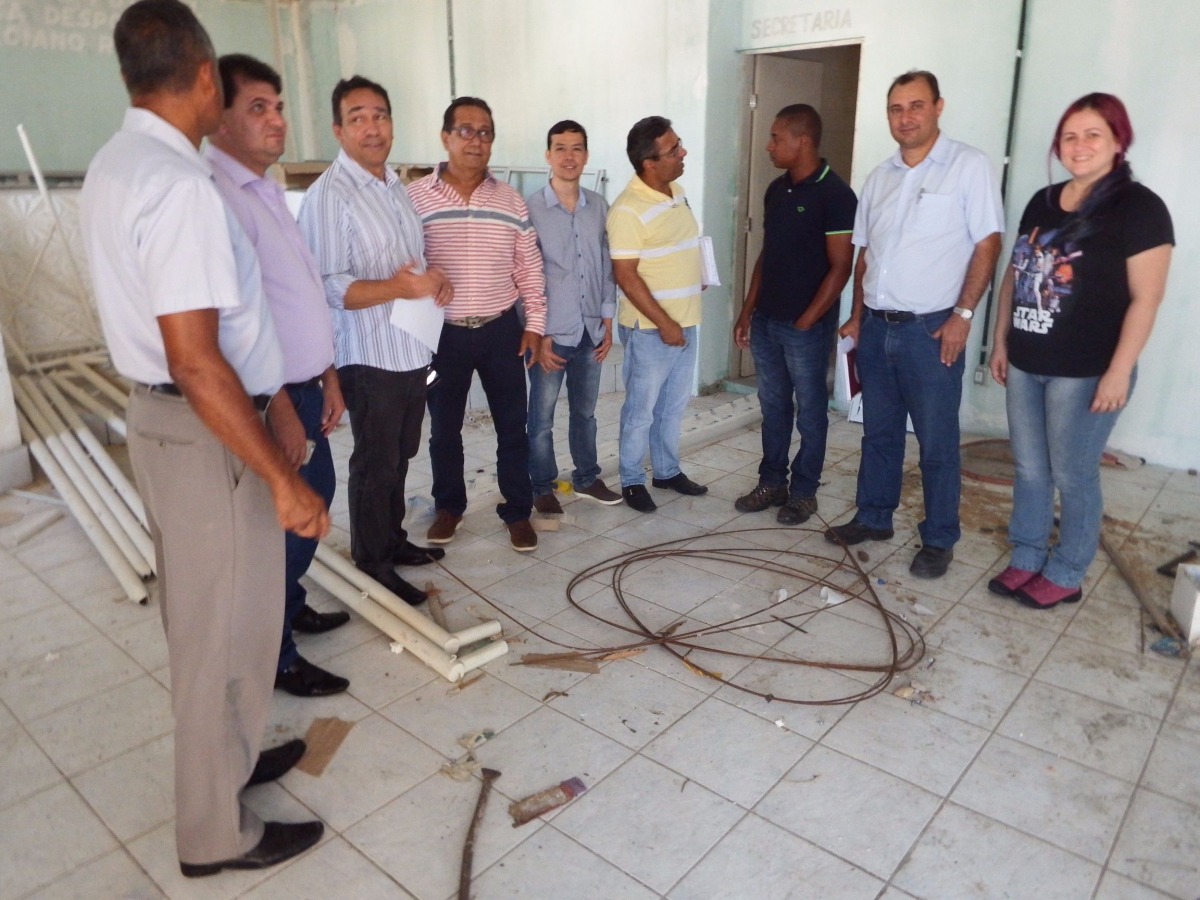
[{"x": 965, "y": 313}]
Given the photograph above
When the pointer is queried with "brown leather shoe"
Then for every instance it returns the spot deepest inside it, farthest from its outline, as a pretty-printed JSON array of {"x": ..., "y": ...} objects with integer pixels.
[
  {"x": 599, "y": 492},
  {"x": 522, "y": 536},
  {"x": 443, "y": 528},
  {"x": 547, "y": 504}
]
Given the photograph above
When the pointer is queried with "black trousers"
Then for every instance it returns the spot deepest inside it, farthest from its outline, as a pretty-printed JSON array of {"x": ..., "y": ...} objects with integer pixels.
[
  {"x": 490, "y": 350},
  {"x": 386, "y": 411}
]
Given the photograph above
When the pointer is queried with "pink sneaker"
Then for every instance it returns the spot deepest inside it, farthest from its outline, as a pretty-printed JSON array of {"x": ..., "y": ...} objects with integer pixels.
[
  {"x": 1011, "y": 579},
  {"x": 1042, "y": 593}
]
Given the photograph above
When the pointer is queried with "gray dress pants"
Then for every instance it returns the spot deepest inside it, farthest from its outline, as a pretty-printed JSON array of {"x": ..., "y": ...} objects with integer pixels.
[{"x": 220, "y": 558}]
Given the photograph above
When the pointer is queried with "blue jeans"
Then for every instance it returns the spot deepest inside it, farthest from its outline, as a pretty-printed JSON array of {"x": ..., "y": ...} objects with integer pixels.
[
  {"x": 791, "y": 364},
  {"x": 901, "y": 372},
  {"x": 658, "y": 383},
  {"x": 1056, "y": 443},
  {"x": 318, "y": 473},
  {"x": 583, "y": 387}
]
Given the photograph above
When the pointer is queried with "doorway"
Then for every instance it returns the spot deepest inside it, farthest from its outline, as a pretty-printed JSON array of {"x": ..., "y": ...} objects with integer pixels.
[{"x": 826, "y": 78}]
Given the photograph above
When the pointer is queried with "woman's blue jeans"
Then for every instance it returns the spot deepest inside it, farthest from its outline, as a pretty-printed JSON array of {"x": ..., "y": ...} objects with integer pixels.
[{"x": 1057, "y": 443}]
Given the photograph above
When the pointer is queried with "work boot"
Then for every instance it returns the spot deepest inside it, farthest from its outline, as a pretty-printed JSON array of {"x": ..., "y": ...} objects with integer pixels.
[
  {"x": 797, "y": 510},
  {"x": 932, "y": 562},
  {"x": 855, "y": 532},
  {"x": 762, "y": 497}
]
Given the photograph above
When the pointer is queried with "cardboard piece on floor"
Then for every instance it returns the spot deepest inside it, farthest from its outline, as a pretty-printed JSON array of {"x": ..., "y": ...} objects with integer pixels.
[
  {"x": 323, "y": 738},
  {"x": 558, "y": 661},
  {"x": 544, "y": 524}
]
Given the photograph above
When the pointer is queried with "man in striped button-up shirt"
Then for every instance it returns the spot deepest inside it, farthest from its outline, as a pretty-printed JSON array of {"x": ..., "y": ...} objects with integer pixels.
[
  {"x": 477, "y": 230},
  {"x": 362, "y": 229}
]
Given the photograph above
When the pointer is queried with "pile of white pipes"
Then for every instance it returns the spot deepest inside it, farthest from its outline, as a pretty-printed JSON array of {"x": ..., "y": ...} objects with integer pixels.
[{"x": 113, "y": 517}]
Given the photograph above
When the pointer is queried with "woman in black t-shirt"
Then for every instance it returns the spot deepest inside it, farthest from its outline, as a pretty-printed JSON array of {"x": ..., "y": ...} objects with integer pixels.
[{"x": 1076, "y": 307}]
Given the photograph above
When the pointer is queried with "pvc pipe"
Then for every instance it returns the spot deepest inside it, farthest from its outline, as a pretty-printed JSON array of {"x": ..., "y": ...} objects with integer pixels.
[
  {"x": 74, "y": 471},
  {"x": 421, "y": 647},
  {"x": 88, "y": 402},
  {"x": 110, "y": 469},
  {"x": 39, "y": 498},
  {"x": 469, "y": 636},
  {"x": 101, "y": 540},
  {"x": 136, "y": 530},
  {"x": 31, "y": 525},
  {"x": 483, "y": 655},
  {"x": 389, "y": 601},
  {"x": 105, "y": 386}
]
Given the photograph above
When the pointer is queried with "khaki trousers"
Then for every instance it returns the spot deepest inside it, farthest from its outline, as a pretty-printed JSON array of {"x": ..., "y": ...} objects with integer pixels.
[{"x": 220, "y": 558}]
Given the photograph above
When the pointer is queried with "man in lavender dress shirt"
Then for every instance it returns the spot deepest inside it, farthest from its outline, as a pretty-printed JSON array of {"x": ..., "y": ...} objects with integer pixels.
[{"x": 250, "y": 139}]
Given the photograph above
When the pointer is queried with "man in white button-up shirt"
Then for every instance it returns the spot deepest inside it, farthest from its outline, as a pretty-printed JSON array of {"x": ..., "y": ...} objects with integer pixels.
[
  {"x": 180, "y": 298},
  {"x": 928, "y": 228}
]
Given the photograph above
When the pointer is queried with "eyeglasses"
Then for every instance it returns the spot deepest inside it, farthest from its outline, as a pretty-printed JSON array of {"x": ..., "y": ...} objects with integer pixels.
[
  {"x": 677, "y": 150},
  {"x": 467, "y": 133}
]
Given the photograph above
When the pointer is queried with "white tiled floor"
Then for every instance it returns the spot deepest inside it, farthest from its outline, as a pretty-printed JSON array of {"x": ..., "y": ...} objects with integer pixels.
[{"x": 1053, "y": 760}]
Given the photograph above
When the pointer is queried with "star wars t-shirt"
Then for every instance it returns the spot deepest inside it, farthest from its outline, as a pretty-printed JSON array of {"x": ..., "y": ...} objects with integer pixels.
[{"x": 1069, "y": 299}]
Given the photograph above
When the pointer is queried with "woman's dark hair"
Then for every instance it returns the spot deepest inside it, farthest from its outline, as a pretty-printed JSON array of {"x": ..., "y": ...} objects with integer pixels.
[{"x": 1083, "y": 221}]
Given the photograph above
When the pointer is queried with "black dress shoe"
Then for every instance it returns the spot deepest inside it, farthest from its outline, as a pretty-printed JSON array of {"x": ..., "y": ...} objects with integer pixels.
[
  {"x": 409, "y": 554},
  {"x": 280, "y": 841},
  {"x": 275, "y": 763},
  {"x": 931, "y": 562},
  {"x": 855, "y": 532},
  {"x": 680, "y": 483},
  {"x": 309, "y": 621},
  {"x": 303, "y": 679},
  {"x": 410, "y": 594},
  {"x": 639, "y": 498}
]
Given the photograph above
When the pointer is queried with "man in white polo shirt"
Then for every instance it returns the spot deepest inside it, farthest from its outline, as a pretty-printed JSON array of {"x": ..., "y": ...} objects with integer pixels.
[
  {"x": 180, "y": 298},
  {"x": 928, "y": 228}
]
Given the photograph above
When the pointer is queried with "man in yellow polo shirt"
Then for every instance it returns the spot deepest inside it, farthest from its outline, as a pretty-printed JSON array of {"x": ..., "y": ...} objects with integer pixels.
[{"x": 654, "y": 243}]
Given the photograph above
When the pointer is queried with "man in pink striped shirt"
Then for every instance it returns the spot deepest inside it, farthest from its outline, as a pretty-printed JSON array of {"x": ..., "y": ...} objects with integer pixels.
[{"x": 477, "y": 231}]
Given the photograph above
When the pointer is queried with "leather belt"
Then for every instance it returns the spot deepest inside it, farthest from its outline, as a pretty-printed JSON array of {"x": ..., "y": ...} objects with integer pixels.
[
  {"x": 261, "y": 401},
  {"x": 475, "y": 321},
  {"x": 301, "y": 385},
  {"x": 892, "y": 315}
]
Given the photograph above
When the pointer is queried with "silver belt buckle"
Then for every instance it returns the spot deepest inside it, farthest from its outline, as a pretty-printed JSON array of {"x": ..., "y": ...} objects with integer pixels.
[{"x": 473, "y": 321}]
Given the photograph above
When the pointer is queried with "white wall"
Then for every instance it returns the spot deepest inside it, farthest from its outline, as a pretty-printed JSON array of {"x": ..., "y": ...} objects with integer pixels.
[
  {"x": 60, "y": 76},
  {"x": 1150, "y": 62},
  {"x": 969, "y": 46},
  {"x": 1072, "y": 47}
]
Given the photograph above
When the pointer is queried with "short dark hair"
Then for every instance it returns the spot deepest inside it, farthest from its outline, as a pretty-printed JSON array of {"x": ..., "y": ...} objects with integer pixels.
[
  {"x": 160, "y": 45},
  {"x": 917, "y": 75},
  {"x": 448, "y": 115},
  {"x": 564, "y": 127},
  {"x": 353, "y": 83},
  {"x": 801, "y": 118},
  {"x": 639, "y": 146},
  {"x": 235, "y": 66}
]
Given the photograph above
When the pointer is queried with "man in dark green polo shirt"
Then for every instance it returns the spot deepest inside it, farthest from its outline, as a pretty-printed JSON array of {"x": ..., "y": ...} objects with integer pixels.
[{"x": 789, "y": 319}]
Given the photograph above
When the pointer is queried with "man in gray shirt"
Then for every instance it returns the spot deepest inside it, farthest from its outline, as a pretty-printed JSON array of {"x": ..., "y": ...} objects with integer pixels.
[{"x": 580, "y": 302}]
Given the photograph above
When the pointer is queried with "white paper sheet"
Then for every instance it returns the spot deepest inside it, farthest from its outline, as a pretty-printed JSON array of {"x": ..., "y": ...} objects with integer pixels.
[
  {"x": 708, "y": 262},
  {"x": 422, "y": 318}
]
